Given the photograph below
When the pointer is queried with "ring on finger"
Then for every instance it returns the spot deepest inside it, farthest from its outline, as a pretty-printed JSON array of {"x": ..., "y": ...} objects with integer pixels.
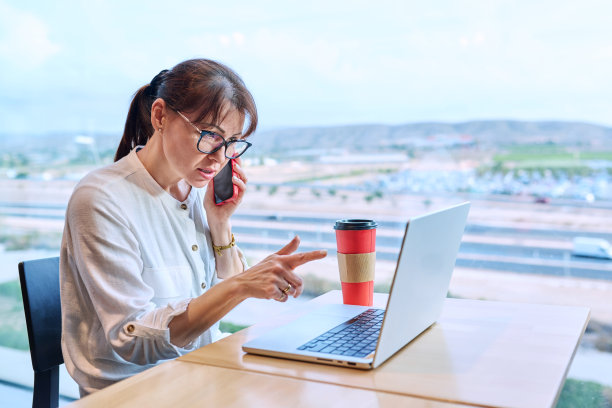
[
  {"x": 287, "y": 289},
  {"x": 282, "y": 296}
]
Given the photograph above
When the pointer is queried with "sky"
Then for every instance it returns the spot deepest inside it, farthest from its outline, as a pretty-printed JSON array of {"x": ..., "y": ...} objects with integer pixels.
[{"x": 72, "y": 66}]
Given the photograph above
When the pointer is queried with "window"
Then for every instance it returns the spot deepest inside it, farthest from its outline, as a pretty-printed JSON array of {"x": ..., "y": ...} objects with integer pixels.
[{"x": 383, "y": 111}]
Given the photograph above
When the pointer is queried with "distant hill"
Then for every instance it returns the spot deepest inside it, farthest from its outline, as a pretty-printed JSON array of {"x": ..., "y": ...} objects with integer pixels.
[
  {"x": 494, "y": 132},
  {"x": 489, "y": 132}
]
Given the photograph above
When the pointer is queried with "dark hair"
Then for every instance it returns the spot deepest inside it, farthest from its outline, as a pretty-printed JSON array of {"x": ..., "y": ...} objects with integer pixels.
[{"x": 197, "y": 85}]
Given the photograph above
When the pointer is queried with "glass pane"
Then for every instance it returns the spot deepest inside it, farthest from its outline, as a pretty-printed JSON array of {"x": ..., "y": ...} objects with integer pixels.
[
  {"x": 235, "y": 149},
  {"x": 209, "y": 142},
  {"x": 386, "y": 123}
]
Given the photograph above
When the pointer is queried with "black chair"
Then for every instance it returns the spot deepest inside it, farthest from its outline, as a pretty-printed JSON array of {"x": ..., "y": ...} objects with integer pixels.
[{"x": 41, "y": 301}]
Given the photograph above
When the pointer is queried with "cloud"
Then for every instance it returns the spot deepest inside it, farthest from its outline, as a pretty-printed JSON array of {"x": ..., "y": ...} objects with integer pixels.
[
  {"x": 235, "y": 39},
  {"x": 24, "y": 38},
  {"x": 331, "y": 59},
  {"x": 238, "y": 38},
  {"x": 477, "y": 39},
  {"x": 284, "y": 50}
]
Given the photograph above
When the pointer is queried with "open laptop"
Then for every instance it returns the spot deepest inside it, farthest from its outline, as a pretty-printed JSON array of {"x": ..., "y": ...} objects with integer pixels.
[{"x": 365, "y": 337}]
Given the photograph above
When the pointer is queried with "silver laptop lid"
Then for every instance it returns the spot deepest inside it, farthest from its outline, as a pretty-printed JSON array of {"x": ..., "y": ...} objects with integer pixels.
[{"x": 422, "y": 276}]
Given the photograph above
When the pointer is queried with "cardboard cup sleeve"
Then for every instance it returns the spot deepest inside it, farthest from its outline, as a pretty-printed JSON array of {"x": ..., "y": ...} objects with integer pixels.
[{"x": 357, "y": 277}]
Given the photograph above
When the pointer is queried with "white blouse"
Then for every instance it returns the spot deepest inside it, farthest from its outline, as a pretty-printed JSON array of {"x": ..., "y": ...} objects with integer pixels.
[{"x": 132, "y": 258}]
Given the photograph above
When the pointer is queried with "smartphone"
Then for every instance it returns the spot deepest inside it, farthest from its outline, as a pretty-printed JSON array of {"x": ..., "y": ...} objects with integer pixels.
[{"x": 223, "y": 185}]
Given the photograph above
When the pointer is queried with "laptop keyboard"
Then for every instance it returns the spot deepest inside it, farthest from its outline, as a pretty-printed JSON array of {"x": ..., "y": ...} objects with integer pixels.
[{"x": 356, "y": 337}]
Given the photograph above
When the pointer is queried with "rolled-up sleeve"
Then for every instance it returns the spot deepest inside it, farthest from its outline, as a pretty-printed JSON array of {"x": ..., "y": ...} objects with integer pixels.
[{"x": 150, "y": 330}]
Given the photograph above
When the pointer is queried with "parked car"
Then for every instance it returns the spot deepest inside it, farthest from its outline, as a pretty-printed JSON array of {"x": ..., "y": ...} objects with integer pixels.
[{"x": 592, "y": 247}]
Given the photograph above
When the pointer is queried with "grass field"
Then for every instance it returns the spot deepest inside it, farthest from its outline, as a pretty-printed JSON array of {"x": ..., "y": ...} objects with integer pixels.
[
  {"x": 550, "y": 154},
  {"x": 542, "y": 158},
  {"x": 13, "y": 332}
]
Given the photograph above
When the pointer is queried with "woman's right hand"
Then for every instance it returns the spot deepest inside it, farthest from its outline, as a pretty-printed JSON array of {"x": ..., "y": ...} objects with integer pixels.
[
  {"x": 266, "y": 280},
  {"x": 274, "y": 277}
]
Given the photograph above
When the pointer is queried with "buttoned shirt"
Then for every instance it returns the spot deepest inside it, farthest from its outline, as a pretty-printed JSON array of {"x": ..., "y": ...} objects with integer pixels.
[{"x": 132, "y": 258}]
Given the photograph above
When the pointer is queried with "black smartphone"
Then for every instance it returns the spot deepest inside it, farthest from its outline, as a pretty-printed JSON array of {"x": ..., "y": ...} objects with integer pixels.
[{"x": 222, "y": 184}]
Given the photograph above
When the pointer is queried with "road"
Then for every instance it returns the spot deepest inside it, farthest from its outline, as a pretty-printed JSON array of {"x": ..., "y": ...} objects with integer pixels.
[{"x": 265, "y": 231}]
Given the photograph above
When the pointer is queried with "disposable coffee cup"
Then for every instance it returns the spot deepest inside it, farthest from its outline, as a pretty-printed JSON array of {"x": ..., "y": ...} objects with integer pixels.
[{"x": 356, "y": 242}]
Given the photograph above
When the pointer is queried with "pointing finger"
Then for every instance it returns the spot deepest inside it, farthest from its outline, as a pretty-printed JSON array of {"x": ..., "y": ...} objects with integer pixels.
[{"x": 301, "y": 258}]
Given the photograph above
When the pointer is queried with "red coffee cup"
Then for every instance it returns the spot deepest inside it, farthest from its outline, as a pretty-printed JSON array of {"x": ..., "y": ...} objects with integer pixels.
[{"x": 356, "y": 242}]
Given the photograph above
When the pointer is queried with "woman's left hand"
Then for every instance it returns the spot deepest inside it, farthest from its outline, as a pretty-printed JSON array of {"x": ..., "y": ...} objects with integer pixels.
[{"x": 220, "y": 214}]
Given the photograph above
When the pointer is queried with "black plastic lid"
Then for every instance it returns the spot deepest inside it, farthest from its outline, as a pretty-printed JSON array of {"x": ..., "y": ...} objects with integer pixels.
[{"x": 354, "y": 225}]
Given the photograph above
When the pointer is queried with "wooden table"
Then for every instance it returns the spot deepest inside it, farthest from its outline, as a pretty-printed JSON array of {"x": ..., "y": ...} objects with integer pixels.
[
  {"x": 478, "y": 354},
  {"x": 182, "y": 384}
]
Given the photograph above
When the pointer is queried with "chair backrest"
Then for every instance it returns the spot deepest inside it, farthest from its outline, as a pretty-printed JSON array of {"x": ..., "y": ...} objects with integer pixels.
[{"x": 41, "y": 301}]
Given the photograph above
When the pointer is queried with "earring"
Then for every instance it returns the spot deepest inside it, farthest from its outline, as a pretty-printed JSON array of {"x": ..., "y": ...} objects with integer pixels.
[{"x": 160, "y": 129}]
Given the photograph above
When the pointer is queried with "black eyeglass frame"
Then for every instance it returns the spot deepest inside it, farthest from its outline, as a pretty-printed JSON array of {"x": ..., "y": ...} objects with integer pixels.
[{"x": 225, "y": 143}]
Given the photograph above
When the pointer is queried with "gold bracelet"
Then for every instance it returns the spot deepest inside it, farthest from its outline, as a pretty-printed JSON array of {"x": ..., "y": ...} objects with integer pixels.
[{"x": 220, "y": 248}]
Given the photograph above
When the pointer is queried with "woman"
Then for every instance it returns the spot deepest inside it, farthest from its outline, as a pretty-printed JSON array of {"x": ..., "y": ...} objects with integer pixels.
[{"x": 149, "y": 264}]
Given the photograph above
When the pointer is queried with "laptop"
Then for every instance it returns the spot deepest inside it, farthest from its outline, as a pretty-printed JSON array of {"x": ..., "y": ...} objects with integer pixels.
[{"x": 365, "y": 337}]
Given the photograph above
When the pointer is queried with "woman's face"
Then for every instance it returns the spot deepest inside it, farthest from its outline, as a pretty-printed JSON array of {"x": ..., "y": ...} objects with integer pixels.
[{"x": 180, "y": 140}]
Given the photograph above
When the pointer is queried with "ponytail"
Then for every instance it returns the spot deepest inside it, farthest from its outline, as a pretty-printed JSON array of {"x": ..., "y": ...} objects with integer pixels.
[{"x": 138, "y": 128}]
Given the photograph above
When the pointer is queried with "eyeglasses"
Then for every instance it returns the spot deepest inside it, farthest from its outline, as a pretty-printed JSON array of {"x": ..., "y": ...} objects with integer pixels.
[{"x": 209, "y": 142}]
